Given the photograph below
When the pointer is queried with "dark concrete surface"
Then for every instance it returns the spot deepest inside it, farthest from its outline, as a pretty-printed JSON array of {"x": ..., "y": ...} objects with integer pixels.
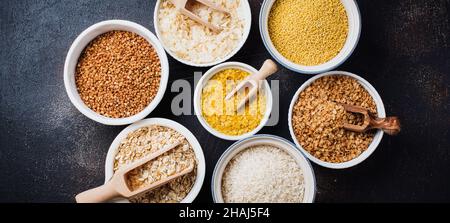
[{"x": 49, "y": 151}]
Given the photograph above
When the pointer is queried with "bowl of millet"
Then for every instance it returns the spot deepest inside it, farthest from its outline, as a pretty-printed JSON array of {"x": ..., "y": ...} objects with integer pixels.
[
  {"x": 316, "y": 119},
  {"x": 116, "y": 72},
  {"x": 310, "y": 36}
]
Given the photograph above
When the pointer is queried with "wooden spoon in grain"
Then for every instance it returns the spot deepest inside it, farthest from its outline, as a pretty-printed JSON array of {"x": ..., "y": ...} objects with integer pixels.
[
  {"x": 268, "y": 68},
  {"x": 184, "y": 7},
  {"x": 118, "y": 187},
  {"x": 390, "y": 125}
]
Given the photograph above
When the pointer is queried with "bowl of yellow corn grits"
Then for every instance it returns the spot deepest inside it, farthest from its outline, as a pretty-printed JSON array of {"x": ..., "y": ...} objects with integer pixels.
[
  {"x": 310, "y": 36},
  {"x": 221, "y": 117}
]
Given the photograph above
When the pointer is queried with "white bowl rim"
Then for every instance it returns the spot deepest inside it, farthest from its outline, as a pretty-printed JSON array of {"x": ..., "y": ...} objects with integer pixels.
[
  {"x": 347, "y": 50},
  {"x": 239, "y": 146},
  {"x": 247, "y": 29},
  {"x": 201, "y": 164},
  {"x": 197, "y": 97},
  {"x": 378, "y": 135},
  {"x": 86, "y": 37}
]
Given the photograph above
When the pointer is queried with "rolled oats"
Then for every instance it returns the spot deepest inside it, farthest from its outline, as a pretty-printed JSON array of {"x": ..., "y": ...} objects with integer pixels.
[{"x": 146, "y": 141}]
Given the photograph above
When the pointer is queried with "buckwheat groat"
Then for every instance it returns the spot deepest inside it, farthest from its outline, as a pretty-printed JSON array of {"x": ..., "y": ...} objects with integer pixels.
[{"x": 118, "y": 74}]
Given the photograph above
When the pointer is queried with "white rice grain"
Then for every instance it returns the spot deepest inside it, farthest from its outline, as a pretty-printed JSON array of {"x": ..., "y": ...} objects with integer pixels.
[{"x": 263, "y": 174}]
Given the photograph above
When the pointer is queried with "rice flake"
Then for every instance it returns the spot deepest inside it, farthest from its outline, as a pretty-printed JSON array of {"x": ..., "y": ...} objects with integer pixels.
[{"x": 193, "y": 42}]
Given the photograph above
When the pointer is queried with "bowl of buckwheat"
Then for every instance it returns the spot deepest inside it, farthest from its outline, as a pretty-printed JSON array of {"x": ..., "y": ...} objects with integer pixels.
[
  {"x": 316, "y": 119},
  {"x": 116, "y": 72},
  {"x": 147, "y": 137}
]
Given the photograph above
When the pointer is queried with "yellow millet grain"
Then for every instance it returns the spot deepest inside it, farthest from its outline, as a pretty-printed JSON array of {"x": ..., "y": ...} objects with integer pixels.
[
  {"x": 308, "y": 32},
  {"x": 221, "y": 114}
]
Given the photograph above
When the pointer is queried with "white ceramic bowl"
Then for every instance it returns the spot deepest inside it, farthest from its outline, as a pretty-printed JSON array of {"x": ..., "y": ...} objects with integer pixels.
[
  {"x": 354, "y": 30},
  {"x": 244, "y": 11},
  {"x": 198, "y": 93},
  {"x": 378, "y": 135},
  {"x": 77, "y": 48},
  {"x": 233, "y": 150},
  {"x": 201, "y": 166}
]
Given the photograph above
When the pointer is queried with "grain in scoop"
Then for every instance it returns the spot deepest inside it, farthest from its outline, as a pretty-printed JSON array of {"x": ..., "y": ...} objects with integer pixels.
[
  {"x": 222, "y": 115},
  {"x": 145, "y": 141}
]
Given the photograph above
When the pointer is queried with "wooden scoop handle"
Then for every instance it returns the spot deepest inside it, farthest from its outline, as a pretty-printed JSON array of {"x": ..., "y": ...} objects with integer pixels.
[
  {"x": 213, "y": 6},
  {"x": 100, "y": 194},
  {"x": 390, "y": 125},
  {"x": 268, "y": 68},
  {"x": 199, "y": 20}
]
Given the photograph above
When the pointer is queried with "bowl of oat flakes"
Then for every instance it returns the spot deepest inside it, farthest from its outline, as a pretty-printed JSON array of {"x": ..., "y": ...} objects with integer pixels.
[
  {"x": 195, "y": 45},
  {"x": 316, "y": 119},
  {"x": 116, "y": 72},
  {"x": 147, "y": 136}
]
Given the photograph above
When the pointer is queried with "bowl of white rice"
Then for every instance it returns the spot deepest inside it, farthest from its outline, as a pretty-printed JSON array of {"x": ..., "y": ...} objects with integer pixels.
[
  {"x": 195, "y": 45},
  {"x": 263, "y": 169}
]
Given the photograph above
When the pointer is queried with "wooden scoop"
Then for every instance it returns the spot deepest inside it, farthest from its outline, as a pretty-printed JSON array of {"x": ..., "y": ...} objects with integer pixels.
[
  {"x": 117, "y": 186},
  {"x": 268, "y": 68},
  {"x": 184, "y": 6},
  {"x": 390, "y": 125}
]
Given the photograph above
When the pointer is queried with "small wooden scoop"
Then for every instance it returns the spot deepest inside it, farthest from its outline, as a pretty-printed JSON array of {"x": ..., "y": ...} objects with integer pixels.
[
  {"x": 268, "y": 68},
  {"x": 117, "y": 186},
  {"x": 184, "y": 6},
  {"x": 390, "y": 125}
]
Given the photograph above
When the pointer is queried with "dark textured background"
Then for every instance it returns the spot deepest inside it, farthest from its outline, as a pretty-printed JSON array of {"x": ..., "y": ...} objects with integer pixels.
[{"x": 49, "y": 151}]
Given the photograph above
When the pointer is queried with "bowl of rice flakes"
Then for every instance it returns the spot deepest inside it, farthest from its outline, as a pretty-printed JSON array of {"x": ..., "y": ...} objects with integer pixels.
[{"x": 194, "y": 44}]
